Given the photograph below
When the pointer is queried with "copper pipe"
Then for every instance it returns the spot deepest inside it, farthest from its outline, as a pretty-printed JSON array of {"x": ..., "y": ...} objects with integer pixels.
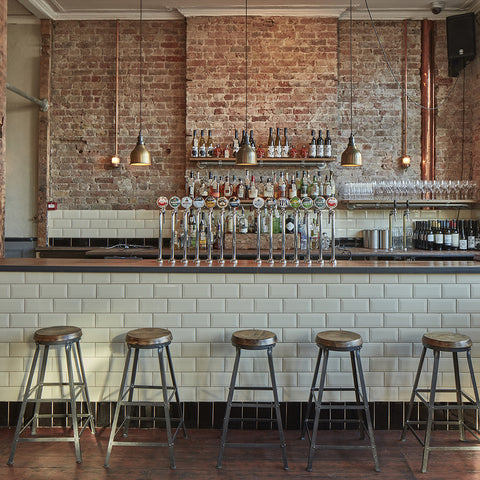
[
  {"x": 427, "y": 95},
  {"x": 405, "y": 84},
  {"x": 116, "y": 98}
]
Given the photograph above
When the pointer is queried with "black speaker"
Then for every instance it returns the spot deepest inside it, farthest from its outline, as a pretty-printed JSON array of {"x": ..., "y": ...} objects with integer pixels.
[{"x": 460, "y": 41}]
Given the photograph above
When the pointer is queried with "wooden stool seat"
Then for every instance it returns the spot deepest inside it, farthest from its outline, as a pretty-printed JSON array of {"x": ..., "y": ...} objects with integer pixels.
[
  {"x": 149, "y": 337},
  {"x": 57, "y": 335},
  {"x": 340, "y": 340},
  {"x": 446, "y": 341},
  {"x": 254, "y": 339}
]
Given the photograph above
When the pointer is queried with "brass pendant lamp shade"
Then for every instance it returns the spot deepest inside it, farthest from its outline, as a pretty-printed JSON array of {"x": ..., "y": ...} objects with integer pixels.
[
  {"x": 351, "y": 157},
  {"x": 246, "y": 154},
  {"x": 140, "y": 155}
]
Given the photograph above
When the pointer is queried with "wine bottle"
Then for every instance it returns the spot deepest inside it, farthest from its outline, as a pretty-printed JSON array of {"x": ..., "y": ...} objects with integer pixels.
[
  {"x": 455, "y": 235},
  {"x": 471, "y": 236},
  {"x": 278, "y": 145},
  {"x": 271, "y": 144},
  {"x": 328, "y": 145},
  {"x": 194, "y": 145},
  {"x": 447, "y": 236},
  {"x": 430, "y": 236},
  {"x": 209, "y": 144},
  {"x": 202, "y": 146},
  {"x": 236, "y": 145},
  {"x": 285, "y": 144},
  {"x": 312, "y": 148},
  {"x": 320, "y": 149},
  {"x": 462, "y": 242}
]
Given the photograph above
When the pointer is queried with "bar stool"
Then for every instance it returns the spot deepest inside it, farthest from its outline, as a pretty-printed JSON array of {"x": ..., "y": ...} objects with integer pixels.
[
  {"x": 147, "y": 339},
  {"x": 339, "y": 341},
  {"x": 451, "y": 343},
  {"x": 253, "y": 340},
  {"x": 46, "y": 338}
]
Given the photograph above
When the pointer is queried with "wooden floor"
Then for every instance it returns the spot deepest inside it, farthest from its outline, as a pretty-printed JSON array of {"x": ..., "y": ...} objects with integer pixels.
[{"x": 196, "y": 458}]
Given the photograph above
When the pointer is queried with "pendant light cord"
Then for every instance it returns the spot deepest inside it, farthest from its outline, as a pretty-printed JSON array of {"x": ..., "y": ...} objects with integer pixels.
[
  {"x": 351, "y": 70},
  {"x": 140, "y": 60},
  {"x": 246, "y": 69}
]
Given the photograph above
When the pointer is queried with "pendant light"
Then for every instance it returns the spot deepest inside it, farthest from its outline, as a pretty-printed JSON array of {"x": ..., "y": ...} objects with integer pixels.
[
  {"x": 246, "y": 154},
  {"x": 405, "y": 159},
  {"x": 351, "y": 157},
  {"x": 140, "y": 155},
  {"x": 116, "y": 159}
]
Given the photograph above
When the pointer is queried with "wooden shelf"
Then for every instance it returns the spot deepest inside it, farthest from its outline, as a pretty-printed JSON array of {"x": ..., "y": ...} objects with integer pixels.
[{"x": 262, "y": 162}]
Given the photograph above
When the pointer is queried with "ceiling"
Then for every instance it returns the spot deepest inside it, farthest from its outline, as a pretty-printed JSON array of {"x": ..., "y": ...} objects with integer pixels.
[{"x": 177, "y": 9}]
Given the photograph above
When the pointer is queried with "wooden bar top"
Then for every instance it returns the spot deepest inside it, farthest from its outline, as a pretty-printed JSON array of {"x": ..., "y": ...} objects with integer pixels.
[{"x": 138, "y": 265}]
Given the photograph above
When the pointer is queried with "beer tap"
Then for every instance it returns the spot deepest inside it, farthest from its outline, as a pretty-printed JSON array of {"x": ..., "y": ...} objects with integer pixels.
[
  {"x": 258, "y": 203},
  {"x": 222, "y": 202},
  {"x": 234, "y": 202},
  {"x": 186, "y": 204},
  {"x": 210, "y": 203},
  {"x": 295, "y": 204},
  {"x": 406, "y": 216},
  {"x": 320, "y": 203},
  {"x": 307, "y": 204},
  {"x": 270, "y": 203},
  {"x": 331, "y": 204},
  {"x": 198, "y": 203},
  {"x": 174, "y": 203},
  {"x": 391, "y": 216},
  {"x": 283, "y": 203},
  {"x": 162, "y": 202}
]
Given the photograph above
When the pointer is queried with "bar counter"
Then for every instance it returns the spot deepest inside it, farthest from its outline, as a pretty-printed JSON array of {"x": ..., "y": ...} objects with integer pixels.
[{"x": 390, "y": 303}]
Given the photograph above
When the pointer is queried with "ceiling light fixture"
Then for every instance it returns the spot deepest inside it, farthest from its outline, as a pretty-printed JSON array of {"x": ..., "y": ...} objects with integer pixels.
[
  {"x": 140, "y": 155},
  {"x": 351, "y": 157},
  {"x": 246, "y": 154}
]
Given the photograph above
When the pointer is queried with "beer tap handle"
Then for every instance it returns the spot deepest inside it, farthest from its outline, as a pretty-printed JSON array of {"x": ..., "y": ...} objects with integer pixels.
[
  {"x": 198, "y": 203},
  {"x": 320, "y": 203},
  {"x": 186, "y": 203},
  {"x": 258, "y": 203},
  {"x": 174, "y": 203}
]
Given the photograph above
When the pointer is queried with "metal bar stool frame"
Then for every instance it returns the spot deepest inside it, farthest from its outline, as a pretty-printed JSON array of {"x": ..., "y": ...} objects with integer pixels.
[
  {"x": 431, "y": 407},
  {"x": 74, "y": 389},
  {"x": 275, "y": 404},
  {"x": 128, "y": 403},
  {"x": 361, "y": 406}
]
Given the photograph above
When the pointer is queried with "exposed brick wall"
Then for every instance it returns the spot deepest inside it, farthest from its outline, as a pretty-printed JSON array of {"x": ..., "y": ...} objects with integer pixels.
[
  {"x": 83, "y": 101},
  {"x": 299, "y": 77},
  {"x": 3, "y": 114}
]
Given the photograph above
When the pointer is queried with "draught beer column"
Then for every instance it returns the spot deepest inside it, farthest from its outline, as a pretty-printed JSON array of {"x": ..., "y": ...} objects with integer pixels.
[
  {"x": 222, "y": 202},
  {"x": 295, "y": 204},
  {"x": 198, "y": 203},
  {"x": 258, "y": 203},
  {"x": 320, "y": 203},
  {"x": 186, "y": 204},
  {"x": 307, "y": 204},
  {"x": 174, "y": 203},
  {"x": 210, "y": 203},
  {"x": 271, "y": 203},
  {"x": 234, "y": 203},
  {"x": 332, "y": 204},
  {"x": 283, "y": 203},
  {"x": 162, "y": 203}
]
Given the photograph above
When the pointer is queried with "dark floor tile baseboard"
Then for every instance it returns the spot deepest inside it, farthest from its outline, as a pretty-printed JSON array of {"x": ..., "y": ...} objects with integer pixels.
[{"x": 385, "y": 415}]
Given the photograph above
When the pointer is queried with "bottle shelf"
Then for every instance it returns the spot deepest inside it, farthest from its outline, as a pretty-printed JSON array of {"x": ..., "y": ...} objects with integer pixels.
[{"x": 262, "y": 162}]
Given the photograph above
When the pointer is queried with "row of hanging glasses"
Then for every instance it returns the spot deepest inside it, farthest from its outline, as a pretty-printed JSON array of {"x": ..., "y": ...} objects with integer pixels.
[{"x": 410, "y": 189}]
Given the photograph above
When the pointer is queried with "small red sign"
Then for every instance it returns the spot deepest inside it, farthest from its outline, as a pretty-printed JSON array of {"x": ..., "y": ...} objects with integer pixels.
[{"x": 51, "y": 205}]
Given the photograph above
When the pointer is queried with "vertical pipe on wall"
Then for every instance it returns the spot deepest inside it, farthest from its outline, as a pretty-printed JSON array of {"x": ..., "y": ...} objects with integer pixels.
[
  {"x": 428, "y": 101},
  {"x": 3, "y": 114},
  {"x": 43, "y": 165}
]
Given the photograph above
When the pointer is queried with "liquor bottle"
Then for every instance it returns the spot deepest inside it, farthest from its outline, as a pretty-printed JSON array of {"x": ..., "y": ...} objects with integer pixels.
[
  {"x": 331, "y": 181},
  {"x": 477, "y": 235},
  {"x": 253, "y": 192},
  {"x": 275, "y": 186},
  {"x": 241, "y": 189},
  {"x": 470, "y": 236},
  {"x": 236, "y": 145},
  {"x": 278, "y": 145},
  {"x": 462, "y": 242},
  {"x": 455, "y": 236},
  {"x": 327, "y": 187},
  {"x": 227, "y": 153},
  {"x": 447, "y": 236},
  {"x": 292, "y": 192},
  {"x": 260, "y": 187},
  {"x": 314, "y": 188},
  {"x": 430, "y": 237},
  {"x": 209, "y": 144},
  {"x": 282, "y": 186},
  {"x": 202, "y": 146},
  {"x": 227, "y": 187},
  {"x": 304, "y": 186},
  {"x": 192, "y": 229},
  {"x": 190, "y": 185},
  {"x": 251, "y": 140},
  {"x": 285, "y": 144},
  {"x": 203, "y": 233},
  {"x": 194, "y": 145},
  {"x": 312, "y": 148},
  {"x": 270, "y": 144},
  {"x": 268, "y": 190},
  {"x": 289, "y": 224},
  {"x": 328, "y": 145},
  {"x": 320, "y": 149},
  {"x": 215, "y": 188}
]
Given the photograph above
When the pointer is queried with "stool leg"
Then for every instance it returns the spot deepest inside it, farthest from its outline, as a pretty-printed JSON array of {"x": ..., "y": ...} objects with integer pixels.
[
  {"x": 73, "y": 403},
  {"x": 118, "y": 407},
  {"x": 130, "y": 392},
  {"x": 226, "y": 418},
  {"x": 86, "y": 397},
  {"x": 24, "y": 404},
  {"x": 458, "y": 388},
  {"x": 277, "y": 408},
  {"x": 357, "y": 394},
  {"x": 474, "y": 384},
  {"x": 166, "y": 407},
  {"x": 177, "y": 396},
  {"x": 431, "y": 403},
  {"x": 414, "y": 391},
  {"x": 38, "y": 394},
  {"x": 367, "y": 410},
  {"x": 317, "y": 411},
  {"x": 312, "y": 395}
]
